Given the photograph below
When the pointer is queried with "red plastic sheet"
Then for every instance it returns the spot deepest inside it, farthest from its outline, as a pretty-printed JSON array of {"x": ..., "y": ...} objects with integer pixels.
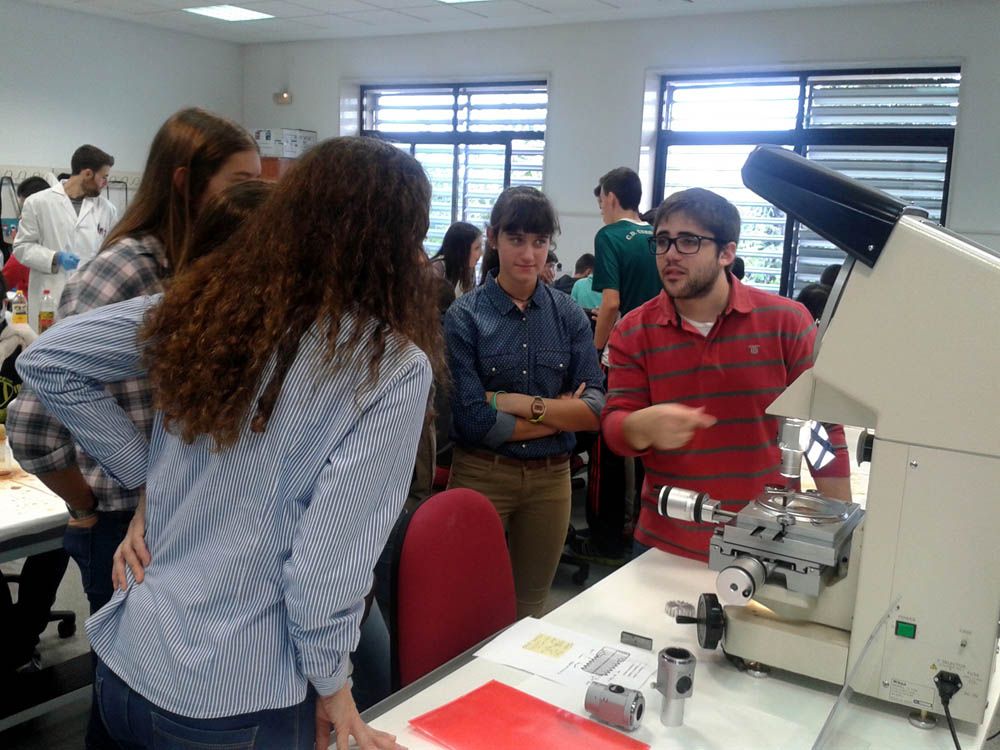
[{"x": 498, "y": 716}]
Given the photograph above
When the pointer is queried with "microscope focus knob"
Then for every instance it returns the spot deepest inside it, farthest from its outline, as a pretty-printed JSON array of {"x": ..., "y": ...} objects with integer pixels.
[
  {"x": 865, "y": 442},
  {"x": 711, "y": 621}
]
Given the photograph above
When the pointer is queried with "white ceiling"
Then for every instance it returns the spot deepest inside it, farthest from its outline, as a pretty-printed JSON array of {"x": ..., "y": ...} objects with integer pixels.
[{"x": 296, "y": 20}]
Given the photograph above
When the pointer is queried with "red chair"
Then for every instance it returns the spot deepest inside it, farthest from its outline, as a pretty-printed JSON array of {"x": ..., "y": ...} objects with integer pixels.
[{"x": 452, "y": 584}]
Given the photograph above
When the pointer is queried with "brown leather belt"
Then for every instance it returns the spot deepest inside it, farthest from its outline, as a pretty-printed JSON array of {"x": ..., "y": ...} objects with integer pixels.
[{"x": 527, "y": 463}]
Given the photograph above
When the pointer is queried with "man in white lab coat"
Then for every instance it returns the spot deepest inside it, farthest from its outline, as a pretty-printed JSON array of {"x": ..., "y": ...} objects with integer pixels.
[{"x": 64, "y": 226}]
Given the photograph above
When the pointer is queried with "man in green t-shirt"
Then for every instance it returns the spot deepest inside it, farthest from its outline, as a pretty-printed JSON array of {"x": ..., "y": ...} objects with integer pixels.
[
  {"x": 624, "y": 271},
  {"x": 625, "y": 276}
]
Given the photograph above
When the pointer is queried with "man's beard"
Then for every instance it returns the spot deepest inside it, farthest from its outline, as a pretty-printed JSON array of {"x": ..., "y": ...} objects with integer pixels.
[{"x": 695, "y": 285}]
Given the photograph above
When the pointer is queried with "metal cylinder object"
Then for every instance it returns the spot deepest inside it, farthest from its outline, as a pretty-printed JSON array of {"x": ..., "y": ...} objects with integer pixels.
[
  {"x": 738, "y": 582},
  {"x": 689, "y": 505},
  {"x": 675, "y": 682},
  {"x": 615, "y": 705},
  {"x": 790, "y": 443}
]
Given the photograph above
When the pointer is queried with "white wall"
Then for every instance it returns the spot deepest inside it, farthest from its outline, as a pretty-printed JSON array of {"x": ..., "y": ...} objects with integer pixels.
[
  {"x": 71, "y": 78},
  {"x": 596, "y": 81}
]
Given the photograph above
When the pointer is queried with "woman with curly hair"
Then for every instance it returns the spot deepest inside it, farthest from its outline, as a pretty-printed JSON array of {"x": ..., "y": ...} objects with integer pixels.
[
  {"x": 289, "y": 406},
  {"x": 193, "y": 156}
]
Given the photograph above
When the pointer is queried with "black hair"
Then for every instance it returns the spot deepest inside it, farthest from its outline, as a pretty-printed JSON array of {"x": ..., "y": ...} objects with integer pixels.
[
  {"x": 829, "y": 275},
  {"x": 31, "y": 185},
  {"x": 814, "y": 297},
  {"x": 709, "y": 209},
  {"x": 523, "y": 209},
  {"x": 585, "y": 263},
  {"x": 626, "y": 186},
  {"x": 737, "y": 268},
  {"x": 90, "y": 157}
]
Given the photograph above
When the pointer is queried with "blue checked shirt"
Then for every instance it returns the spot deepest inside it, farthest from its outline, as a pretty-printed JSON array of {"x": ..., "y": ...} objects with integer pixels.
[
  {"x": 546, "y": 350},
  {"x": 132, "y": 267},
  {"x": 262, "y": 552}
]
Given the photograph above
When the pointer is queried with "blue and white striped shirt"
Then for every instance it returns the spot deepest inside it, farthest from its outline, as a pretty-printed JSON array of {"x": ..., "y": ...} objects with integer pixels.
[{"x": 261, "y": 553}]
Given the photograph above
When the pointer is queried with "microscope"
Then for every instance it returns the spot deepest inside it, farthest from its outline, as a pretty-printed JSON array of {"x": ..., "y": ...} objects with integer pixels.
[{"x": 904, "y": 349}]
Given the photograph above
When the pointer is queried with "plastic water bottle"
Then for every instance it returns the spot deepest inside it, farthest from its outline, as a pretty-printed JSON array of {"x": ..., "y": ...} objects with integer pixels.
[
  {"x": 46, "y": 311},
  {"x": 19, "y": 308}
]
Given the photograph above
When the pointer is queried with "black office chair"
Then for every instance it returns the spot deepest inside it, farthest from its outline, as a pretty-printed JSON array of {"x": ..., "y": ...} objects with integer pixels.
[{"x": 65, "y": 618}]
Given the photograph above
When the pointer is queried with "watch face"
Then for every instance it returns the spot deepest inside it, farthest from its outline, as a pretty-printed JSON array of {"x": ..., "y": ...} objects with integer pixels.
[{"x": 537, "y": 407}]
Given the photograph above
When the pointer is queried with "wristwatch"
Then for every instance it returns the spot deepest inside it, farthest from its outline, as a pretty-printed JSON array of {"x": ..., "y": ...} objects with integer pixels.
[
  {"x": 79, "y": 515},
  {"x": 537, "y": 410}
]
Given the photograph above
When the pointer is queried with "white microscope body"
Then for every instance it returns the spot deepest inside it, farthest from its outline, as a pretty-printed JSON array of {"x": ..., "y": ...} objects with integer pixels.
[{"x": 907, "y": 348}]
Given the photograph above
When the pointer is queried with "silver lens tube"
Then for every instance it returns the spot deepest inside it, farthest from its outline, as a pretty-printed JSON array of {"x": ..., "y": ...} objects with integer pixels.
[
  {"x": 688, "y": 505},
  {"x": 790, "y": 443},
  {"x": 675, "y": 682},
  {"x": 615, "y": 705}
]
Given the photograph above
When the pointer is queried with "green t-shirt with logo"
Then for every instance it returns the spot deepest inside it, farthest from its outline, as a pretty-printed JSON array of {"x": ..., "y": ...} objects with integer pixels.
[{"x": 623, "y": 262}]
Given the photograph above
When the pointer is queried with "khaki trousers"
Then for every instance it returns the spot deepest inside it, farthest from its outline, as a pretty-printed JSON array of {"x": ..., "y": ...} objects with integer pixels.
[{"x": 534, "y": 505}]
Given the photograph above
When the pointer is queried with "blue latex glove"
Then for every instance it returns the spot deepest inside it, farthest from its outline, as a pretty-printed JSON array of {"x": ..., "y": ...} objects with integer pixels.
[{"x": 67, "y": 260}]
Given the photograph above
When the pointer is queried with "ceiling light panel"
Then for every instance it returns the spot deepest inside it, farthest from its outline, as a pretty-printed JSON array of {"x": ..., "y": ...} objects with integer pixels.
[{"x": 228, "y": 13}]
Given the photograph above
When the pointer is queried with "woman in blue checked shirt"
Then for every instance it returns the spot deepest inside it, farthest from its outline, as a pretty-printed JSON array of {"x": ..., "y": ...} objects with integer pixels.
[
  {"x": 525, "y": 378},
  {"x": 289, "y": 406}
]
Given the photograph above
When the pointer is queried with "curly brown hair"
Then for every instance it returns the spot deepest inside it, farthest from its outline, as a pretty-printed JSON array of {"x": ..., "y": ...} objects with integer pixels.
[{"x": 342, "y": 234}]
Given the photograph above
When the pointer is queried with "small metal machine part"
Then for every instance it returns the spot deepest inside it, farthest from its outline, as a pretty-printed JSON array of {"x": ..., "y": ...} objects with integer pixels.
[
  {"x": 639, "y": 641},
  {"x": 615, "y": 705},
  {"x": 675, "y": 682}
]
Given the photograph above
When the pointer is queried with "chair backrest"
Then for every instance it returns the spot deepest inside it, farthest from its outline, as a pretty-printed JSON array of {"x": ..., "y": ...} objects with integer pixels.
[{"x": 452, "y": 584}]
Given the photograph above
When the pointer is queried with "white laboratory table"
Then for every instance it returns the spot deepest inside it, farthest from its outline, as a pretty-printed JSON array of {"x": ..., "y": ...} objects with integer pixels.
[
  {"x": 729, "y": 709},
  {"x": 32, "y": 517}
]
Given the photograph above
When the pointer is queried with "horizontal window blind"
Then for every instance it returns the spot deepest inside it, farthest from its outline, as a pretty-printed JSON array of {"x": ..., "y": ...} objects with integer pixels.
[
  {"x": 892, "y": 130},
  {"x": 473, "y": 140}
]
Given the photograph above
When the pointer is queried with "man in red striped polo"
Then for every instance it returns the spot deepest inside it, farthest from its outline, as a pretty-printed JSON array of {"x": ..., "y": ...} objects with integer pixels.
[{"x": 705, "y": 358}]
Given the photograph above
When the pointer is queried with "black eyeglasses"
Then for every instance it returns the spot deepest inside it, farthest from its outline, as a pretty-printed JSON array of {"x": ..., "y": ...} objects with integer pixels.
[{"x": 686, "y": 244}]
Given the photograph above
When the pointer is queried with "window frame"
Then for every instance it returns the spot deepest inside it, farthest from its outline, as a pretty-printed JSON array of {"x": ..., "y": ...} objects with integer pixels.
[
  {"x": 799, "y": 139},
  {"x": 456, "y": 138}
]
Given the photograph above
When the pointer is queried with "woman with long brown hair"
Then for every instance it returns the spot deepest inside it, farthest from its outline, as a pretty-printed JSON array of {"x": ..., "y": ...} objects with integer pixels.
[
  {"x": 194, "y": 155},
  {"x": 289, "y": 406}
]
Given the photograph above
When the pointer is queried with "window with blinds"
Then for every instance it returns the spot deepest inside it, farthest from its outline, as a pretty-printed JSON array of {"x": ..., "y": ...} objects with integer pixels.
[
  {"x": 473, "y": 141},
  {"x": 893, "y": 130}
]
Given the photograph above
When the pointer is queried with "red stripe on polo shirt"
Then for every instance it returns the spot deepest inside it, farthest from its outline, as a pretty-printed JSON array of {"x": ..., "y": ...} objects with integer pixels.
[{"x": 759, "y": 345}]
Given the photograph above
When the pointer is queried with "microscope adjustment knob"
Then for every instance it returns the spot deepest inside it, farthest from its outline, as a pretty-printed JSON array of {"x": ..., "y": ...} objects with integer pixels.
[
  {"x": 711, "y": 621},
  {"x": 865, "y": 442}
]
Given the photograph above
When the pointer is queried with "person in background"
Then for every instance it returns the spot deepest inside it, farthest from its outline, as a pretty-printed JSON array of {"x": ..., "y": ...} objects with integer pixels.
[
  {"x": 738, "y": 268},
  {"x": 625, "y": 276},
  {"x": 16, "y": 273},
  {"x": 22, "y": 623},
  {"x": 814, "y": 297},
  {"x": 278, "y": 462},
  {"x": 456, "y": 260},
  {"x": 565, "y": 282},
  {"x": 524, "y": 379},
  {"x": 193, "y": 157},
  {"x": 829, "y": 275},
  {"x": 694, "y": 370},
  {"x": 582, "y": 290},
  {"x": 550, "y": 269},
  {"x": 64, "y": 226}
]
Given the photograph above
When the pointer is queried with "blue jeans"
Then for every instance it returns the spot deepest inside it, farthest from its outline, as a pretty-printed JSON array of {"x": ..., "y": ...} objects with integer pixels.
[
  {"x": 136, "y": 723},
  {"x": 93, "y": 550}
]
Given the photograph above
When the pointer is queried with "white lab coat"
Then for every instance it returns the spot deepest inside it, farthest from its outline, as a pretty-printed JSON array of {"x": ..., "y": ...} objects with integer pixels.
[{"x": 49, "y": 223}]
